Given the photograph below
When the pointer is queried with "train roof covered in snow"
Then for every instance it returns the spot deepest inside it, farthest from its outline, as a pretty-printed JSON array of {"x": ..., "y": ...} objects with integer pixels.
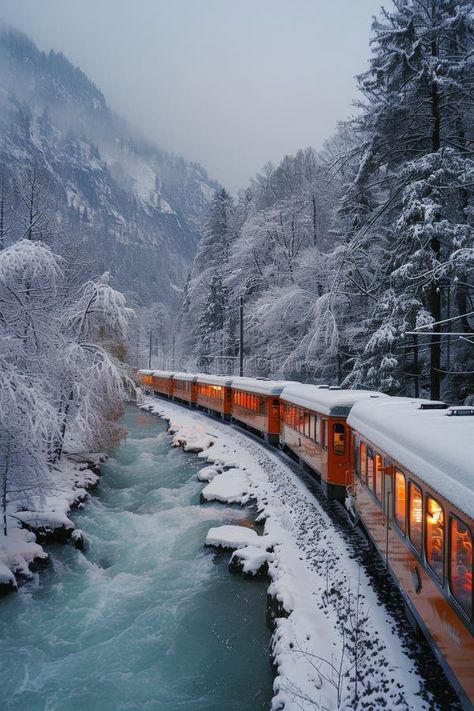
[
  {"x": 259, "y": 386},
  {"x": 224, "y": 380},
  {"x": 437, "y": 444},
  {"x": 326, "y": 400},
  {"x": 162, "y": 373},
  {"x": 188, "y": 377}
]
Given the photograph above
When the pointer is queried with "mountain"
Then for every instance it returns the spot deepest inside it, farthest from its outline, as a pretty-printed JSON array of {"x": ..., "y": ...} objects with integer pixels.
[{"x": 112, "y": 197}]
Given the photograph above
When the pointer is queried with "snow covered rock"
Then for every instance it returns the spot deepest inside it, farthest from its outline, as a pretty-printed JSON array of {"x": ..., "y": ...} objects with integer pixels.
[
  {"x": 251, "y": 560},
  {"x": 78, "y": 539},
  {"x": 48, "y": 525},
  {"x": 7, "y": 580},
  {"x": 207, "y": 473},
  {"x": 229, "y": 487},
  {"x": 234, "y": 537}
]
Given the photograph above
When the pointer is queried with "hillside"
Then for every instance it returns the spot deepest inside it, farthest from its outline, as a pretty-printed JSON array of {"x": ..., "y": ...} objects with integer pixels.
[{"x": 126, "y": 206}]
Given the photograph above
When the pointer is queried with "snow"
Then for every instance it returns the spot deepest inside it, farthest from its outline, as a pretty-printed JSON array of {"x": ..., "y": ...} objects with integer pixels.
[
  {"x": 187, "y": 377},
  {"x": 262, "y": 387},
  {"x": 252, "y": 558},
  {"x": 429, "y": 443},
  {"x": 233, "y": 537},
  {"x": 223, "y": 380},
  {"x": 207, "y": 473},
  {"x": 326, "y": 400},
  {"x": 313, "y": 579},
  {"x": 19, "y": 549},
  {"x": 231, "y": 486}
]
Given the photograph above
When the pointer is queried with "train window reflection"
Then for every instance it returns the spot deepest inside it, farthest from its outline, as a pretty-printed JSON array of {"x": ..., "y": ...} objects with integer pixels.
[
  {"x": 415, "y": 527},
  {"x": 363, "y": 462},
  {"x": 370, "y": 468},
  {"x": 400, "y": 500},
  {"x": 378, "y": 477},
  {"x": 435, "y": 537},
  {"x": 460, "y": 569},
  {"x": 338, "y": 442}
]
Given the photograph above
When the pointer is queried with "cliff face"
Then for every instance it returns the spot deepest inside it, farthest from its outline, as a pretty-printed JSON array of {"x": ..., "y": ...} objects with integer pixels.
[{"x": 127, "y": 206}]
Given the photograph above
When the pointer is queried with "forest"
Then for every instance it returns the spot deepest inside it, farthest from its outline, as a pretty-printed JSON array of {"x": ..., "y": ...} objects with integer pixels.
[{"x": 356, "y": 262}]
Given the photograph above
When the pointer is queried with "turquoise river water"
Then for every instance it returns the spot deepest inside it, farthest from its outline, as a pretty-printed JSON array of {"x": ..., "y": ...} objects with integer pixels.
[{"x": 146, "y": 618}]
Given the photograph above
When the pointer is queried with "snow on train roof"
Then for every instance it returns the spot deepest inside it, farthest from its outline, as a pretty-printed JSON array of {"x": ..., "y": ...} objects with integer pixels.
[
  {"x": 325, "y": 400},
  {"x": 185, "y": 376},
  {"x": 263, "y": 387},
  {"x": 215, "y": 379},
  {"x": 162, "y": 373},
  {"x": 432, "y": 445},
  {"x": 145, "y": 371}
]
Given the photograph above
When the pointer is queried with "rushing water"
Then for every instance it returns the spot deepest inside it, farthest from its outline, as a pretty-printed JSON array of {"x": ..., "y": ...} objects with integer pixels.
[{"x": 146, "y": 618}]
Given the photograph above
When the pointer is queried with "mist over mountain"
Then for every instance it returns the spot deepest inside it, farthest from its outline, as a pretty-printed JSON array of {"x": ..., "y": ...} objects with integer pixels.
[{"x": 98, "y": 189}]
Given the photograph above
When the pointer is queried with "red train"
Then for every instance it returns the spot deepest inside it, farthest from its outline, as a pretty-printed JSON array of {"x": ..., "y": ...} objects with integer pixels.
[{"x": 405, "y": 468}]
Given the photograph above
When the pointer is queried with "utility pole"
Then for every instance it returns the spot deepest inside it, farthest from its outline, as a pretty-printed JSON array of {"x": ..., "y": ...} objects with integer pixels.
[
  {"x": 173, "y": 356},
  {"x": 149, "y": 349},
  {"x": 415, "y": 365},
  {"x": 241, "y": 341}
]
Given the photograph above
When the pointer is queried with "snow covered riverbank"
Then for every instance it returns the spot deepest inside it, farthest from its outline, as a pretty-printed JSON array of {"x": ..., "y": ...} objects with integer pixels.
[
  {"x": 44, "y": 517},
  {"x": 334, "y": 644}
]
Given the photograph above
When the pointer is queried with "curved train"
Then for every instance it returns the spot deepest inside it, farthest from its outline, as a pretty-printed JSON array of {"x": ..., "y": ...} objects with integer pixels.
[{"x": 405, "y": 469}]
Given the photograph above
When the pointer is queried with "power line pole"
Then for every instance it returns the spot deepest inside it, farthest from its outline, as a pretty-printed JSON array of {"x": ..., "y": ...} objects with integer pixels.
[
  {"x": 149, "y": 349},
  {"x": 241, "y": 345},
  {"x": 173, "y": 357}
]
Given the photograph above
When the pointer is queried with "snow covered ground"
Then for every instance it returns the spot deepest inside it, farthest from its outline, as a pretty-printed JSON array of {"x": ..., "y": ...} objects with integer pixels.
[
  {"x": 45, "y": 517},
  {"x": 334, "y": 645}
]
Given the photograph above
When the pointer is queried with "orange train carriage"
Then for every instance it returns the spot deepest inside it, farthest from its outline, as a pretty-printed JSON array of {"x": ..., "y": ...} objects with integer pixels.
[
  {"x": 314, "y": 429},
  {"x": 256, "y": 405},
  {"x": 214, "y": 395},
  {"x": 185, "y": 388},
  {"x": 413, "y": 492}
]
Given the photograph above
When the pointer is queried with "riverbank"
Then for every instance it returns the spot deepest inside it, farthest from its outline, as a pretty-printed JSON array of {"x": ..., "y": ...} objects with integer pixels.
[
  {"x": 44, "y": 517},
  {"x": 333, "y": 641},
  {"x": 146, "y": 617}
]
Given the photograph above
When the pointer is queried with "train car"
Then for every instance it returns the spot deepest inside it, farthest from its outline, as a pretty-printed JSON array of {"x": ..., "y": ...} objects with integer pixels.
[
  {"x": 185, "y": 388},
  {"x": 162, "y": 382},
  {"x": 414, "y": 494},
  {"x": 313, "y": 428},
  {"x": 214, "y": 395},
  {"x": 144, "y": 378},
  {"x": 256, "y": 405}
]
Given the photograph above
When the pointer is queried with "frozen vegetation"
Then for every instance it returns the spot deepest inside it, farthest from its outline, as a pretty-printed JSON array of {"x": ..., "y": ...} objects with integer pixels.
[
  {"x": 61, "y": 386},
  {"x": 341, "y": 253},
  {"x": 334, "y": 644}
]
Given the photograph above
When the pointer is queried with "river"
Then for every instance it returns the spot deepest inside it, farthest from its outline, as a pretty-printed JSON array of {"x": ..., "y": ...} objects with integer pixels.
[{"x": 146, "y": 618}]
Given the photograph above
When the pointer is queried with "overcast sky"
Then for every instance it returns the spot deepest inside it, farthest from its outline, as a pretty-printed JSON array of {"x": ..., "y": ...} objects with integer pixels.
[{"x": 229, "y": 83}]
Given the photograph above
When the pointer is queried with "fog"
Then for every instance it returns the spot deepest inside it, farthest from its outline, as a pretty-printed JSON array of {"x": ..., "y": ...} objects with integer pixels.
[{"x": 229, "y": 84}]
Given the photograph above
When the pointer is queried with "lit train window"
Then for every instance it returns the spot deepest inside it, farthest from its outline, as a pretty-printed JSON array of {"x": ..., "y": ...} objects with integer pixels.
[
  {"x": 306, "y": 424},
  {"x": 434, "y": 541},
  {"x": 460, "y": 568},
  {"x": 370, "y": 468},
  {"x": 400, "y": 500},
  {"x": 363, "y": 462},
  {"x": 415, "y": 521},
  {"x": 338, "y": 443},
  {"x": 378, "y": 477}
]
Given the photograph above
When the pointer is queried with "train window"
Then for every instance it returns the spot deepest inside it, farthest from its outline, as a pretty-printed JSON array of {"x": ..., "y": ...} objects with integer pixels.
[
  {"x": 338, "y": 442},
  {"x": 460, "y": 568},
  {"x": 306, "y": 423},
  {"x": 434, "y": 541},
  {"x": 363, "y": 462},
  {"x": 317, "y": 433},
  {"x": 378, "y": 477},
  {"x": 400, "y": 500},
  {"x": 415, "y": 521},
  {"x": 311, "y": 427},
  {"x": 370, "y": 468},
  {"x": 323, "y": 433}
]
